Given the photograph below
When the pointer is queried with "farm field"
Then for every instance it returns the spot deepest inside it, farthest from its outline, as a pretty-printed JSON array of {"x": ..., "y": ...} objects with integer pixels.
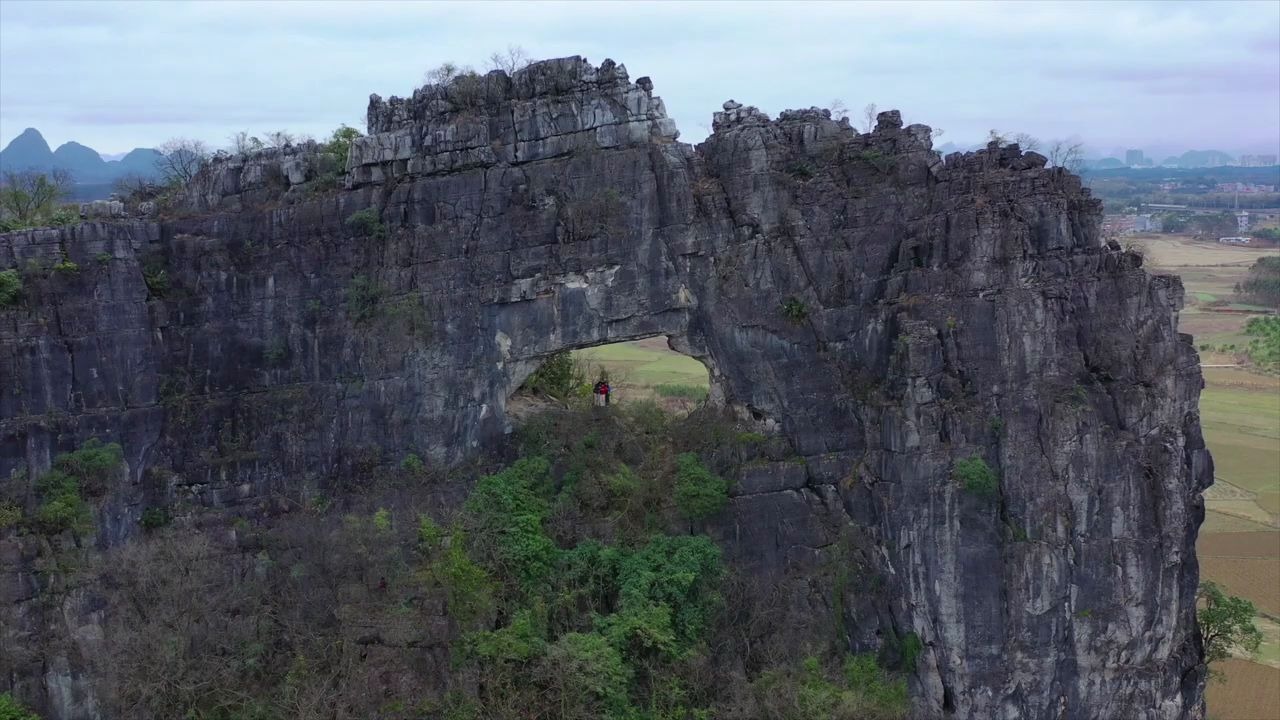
[
  {"x": 648, "y": 370},
  {"x": 1239, "y": 544}
]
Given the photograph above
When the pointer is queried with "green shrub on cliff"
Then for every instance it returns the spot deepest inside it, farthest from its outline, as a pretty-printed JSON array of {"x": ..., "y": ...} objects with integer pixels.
[
  {"x": 366, "y": 222},
  {"x": 93, "y": 464},
  {"x": 88, "y": 469},
  {"x": 63, "y": 507},
  {"x": 340, "y": 141},
  {"x": 10, "y": 515},
  {"x": 11, "y": 709},
  {"x": 699, "y": 493},
  {"x": 10, "y": 288},
  {"x": 976, "y": 476}
]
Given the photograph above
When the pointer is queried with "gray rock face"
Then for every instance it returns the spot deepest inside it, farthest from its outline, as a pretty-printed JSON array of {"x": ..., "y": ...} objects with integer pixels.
[
  {"x": 102, "y": 209},
  {"x": 886, "y": 312}
]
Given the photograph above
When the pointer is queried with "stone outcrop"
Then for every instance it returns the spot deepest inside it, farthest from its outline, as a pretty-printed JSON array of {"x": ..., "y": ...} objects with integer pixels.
[{"x": 885, "y": 311}]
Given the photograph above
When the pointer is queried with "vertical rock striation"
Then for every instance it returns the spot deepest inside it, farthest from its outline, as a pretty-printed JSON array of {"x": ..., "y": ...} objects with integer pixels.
[{"x": 889, "y": 312}]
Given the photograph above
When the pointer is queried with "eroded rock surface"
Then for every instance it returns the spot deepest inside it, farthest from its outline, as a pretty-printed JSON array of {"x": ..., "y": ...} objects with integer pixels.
[{"x": 888, "y": 312}]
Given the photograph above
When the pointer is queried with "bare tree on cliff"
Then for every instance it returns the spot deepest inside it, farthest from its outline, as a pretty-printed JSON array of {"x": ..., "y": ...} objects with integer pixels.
[
  {"x": 515, "y": 58},
  {"x": 181, "y": 159},
  {"x": 1067, "y": 154},
  {"x": 28, "y": 194},
  {"x": 242, "y": 143},
  {"x": 869, "y": 117},
  {"x": 280, "y": 139},
  {"x": 136, "y": 188}
]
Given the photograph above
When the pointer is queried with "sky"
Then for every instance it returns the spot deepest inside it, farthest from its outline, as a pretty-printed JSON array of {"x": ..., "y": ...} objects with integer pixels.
[{"x": 1163, "y": 76}]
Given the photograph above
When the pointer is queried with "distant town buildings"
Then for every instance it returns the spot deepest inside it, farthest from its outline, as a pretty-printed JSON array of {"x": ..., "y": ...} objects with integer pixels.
[
  {"x": 1243, "y": 188},
  {"x": 1257, "y": 160},
  {"x": 1242, "y": 220},
  {"x": 1133, "y": 158}
]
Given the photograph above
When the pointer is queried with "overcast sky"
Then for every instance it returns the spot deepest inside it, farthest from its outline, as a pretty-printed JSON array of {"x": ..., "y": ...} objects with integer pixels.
[{"x": 1160, "y": 75}]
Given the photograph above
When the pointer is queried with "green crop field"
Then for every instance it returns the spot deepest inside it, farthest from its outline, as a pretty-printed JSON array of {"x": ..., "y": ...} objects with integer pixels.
[
  {"x": 1242, "y": 428},
  {"x": 645, "y": 363}
]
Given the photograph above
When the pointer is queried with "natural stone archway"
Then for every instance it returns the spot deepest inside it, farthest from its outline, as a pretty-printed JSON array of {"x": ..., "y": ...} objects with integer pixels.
[{"x": 892, "y": 312}]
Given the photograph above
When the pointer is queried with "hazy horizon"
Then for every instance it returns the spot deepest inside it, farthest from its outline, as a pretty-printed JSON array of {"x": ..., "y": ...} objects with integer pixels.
[{"x": 1161, "y": 77}]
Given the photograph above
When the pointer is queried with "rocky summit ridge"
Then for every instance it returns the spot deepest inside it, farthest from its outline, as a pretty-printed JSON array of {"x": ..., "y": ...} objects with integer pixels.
[{"x": 885, "y": 312}]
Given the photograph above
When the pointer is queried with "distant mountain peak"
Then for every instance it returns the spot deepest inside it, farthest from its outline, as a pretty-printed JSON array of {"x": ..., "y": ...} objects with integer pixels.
[{"x": 30, "y": 151}]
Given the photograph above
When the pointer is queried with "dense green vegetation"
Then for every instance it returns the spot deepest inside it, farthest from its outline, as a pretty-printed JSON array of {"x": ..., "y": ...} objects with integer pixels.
[
  {"x": 569, "y": 584},
  {"x": 11, "y": 709},
  {"x": 86, "y": 470},
  {"x": 10, "y": 288},
  {"x": 1264, "y": 345},
  {"x": 976, "y": 477},
  {"x": 699, "y": 493},
  {"x": 861, "y": 691},
  {"x": 682, "y": 391},
  {"x": 367, "y": 223},
  {"x": 1262, "y": 285}
]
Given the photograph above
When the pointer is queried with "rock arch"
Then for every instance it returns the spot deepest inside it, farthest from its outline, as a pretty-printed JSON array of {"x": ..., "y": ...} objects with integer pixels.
[{"x": 886, "y": 306}]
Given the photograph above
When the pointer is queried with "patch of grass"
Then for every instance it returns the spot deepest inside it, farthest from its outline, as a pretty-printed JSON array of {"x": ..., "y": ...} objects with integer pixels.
[
  {"x": 642, "y": 363},
  {"x": 863, "y": 691},
  {"x": 1242, "y": 428},
  {"x": 687, "y": 392},
  {"x": 876, "y": 159}
]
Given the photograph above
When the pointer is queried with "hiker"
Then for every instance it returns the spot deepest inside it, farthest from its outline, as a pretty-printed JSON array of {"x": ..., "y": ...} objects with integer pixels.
[
  {"x": 607, "y": 392},
  {"x": 598, "y": 394}
]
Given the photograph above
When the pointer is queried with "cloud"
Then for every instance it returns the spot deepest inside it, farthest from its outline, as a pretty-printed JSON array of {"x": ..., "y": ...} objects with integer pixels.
[{"x": 118, "y": 75}]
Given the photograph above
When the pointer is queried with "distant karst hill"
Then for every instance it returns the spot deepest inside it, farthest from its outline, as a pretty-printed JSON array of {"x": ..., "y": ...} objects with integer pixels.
[{"x": 29, "y": 151}]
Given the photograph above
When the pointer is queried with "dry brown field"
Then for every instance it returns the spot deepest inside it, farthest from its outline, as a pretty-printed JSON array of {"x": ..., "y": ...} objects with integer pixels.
[{"x": 1250, "y": 692}]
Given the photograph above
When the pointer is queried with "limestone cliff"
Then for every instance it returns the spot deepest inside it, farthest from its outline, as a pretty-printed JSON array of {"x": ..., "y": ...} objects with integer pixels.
[{"x": 886, "y": 311}]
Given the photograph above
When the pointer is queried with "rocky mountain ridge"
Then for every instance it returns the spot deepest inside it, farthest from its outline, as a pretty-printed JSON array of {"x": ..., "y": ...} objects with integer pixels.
[
  {"x": 888, "y": 313},
  {"x": 29, "y": 151}
]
